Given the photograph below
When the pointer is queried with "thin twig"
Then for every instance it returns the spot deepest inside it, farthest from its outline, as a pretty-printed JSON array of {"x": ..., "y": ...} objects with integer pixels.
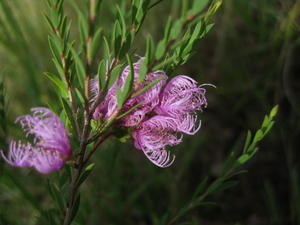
[
  {"x": 190, "y": 206},
  {"x": 65, "y": 66},
  {"x": 95, "y": 147},
  {"x": 74, "y": 184}
]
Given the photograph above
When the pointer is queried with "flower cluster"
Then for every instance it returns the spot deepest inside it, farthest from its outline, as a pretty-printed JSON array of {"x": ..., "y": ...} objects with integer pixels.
[
  {"x": 165, "y": 113},
  {"x": 50, "y": 148},
  {"x": 161, "y": 116}
]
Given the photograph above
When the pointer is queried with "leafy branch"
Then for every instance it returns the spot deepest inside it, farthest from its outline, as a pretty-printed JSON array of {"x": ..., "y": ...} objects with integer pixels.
[{"x": 230, "y": 169}]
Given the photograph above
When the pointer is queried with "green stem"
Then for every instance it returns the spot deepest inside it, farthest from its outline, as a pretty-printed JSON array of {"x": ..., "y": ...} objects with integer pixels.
[
  {"x": 190, "y": 206},
  {"x": 74, "y": 183},
  {"x": 95, "y": 147},
  {"x": 80, "y": 163}
]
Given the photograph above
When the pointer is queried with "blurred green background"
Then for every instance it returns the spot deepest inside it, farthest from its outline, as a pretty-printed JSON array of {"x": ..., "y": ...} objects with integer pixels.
[{"x": 251, "y": 55}]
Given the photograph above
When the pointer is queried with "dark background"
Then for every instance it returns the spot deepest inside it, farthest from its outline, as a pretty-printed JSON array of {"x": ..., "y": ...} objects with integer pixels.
[{"x": 251, "y": 55}]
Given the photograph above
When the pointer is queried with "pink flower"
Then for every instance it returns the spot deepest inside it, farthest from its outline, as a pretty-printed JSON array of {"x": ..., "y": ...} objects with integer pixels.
[
  {"x": 149, "y": 98},
  {"x": 108, "y": 106},
  {"x": 181, "y": 99},
  {"x": 51, "y": 147},
  {"x": 164, "y": 115},
  {"x": 154, "y": 135},
  {"x": 176, "y": 113}
]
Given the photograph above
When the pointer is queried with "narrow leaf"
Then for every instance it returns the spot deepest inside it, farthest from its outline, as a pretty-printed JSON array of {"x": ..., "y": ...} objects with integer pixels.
[
  {"x": 147, "y": 87},
  {"x": 96, "y": 42},
  {"x": 75, "y": 207},
  {"x": 86, "y": 173},
  {"x": 130, "y": 110},
  {"x": 69, "y": 114},
  {"x": 62, "y": 87},
  {"x": 115, "y": 73},
  {"x": 143, "y": 70},
  {"x": 160, "y": 50},
  {"x": 102, "y": 75},
  {"x": 107, "y": 52},
  {"x": 199, "y": 5},
  {"x": 79, "y": 66},
  {"x": 122, "y": 22},
  {"x": 130, "y": 78},
  {"x": 200, "y": 188},
  {"x": 274, "y": 112},
  {"x": 247, "y": 142},
  {"x": 120, "y": 98}
]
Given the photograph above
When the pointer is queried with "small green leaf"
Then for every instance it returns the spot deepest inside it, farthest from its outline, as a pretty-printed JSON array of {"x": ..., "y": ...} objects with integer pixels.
[
  {"x": 247, "y": 142},
  {"x": 102, "y": 74},
  {"x": 176, "y": 29},
  {"x": 130, "y": 78},
  {"x": 226, "y": 185},
  {"x": 63, "y": 26},
  {"x": 120, "y": 97},
  {"x": 96, "y": 42},
  {"x": 265, "y": 122},
  {"x": 164, "y": 63},
  {"x": 200, "y": 188},
  {"x": 69, "y": 114},
  {"x": 79, "y": 95},
  {"x": 59, "y": 83},
  {"x": 107, "y": 52},
  {"x": 194, "y": 37},
  {"x": 274, "y": 112},
  {"x": 258, "y": 136},
  {"x": 49, "y": 22},
  {"x": 125, "y": 138},
  {"x": 149, "y": 49},
  {"x": 147, "y": 87},
  {"x": 126, "y": 45},
  {"x": 268, "y": 128},
  {"x": 134, "y": 10},
  {"x": 75, "y": 207},
  {"x": 55, "y": 47},
  {"x": 117, "y": 38},
  {"x": 206, "y": 29},
  {"x": 83, "y": 28},
  {"x": 86, "y": 173},
  {"x": 67, "y": 32},
  {"x": 230, "y": 161},
  {"x": 196, "y": 33},
  {"x": 213, "y": 8},
  {"x": 168, "y": 29},
  {"x": 143, "y": 70},
  {"x": 140, "y": 14},
  {"x": 215, "y": 185},
  {"x": 130, "y": 110},
  {"x": 184, "y": 43},
  {"x": 199, "y": 5},
  {"x": 160, "y": 50},
  {"x": 181, "y": 44},
  {"x": 243, "y": 159},
  {"x": 79, "y": 66},
  {"x": 122, "y": 22},
  {"x": 114, "y": 75},
  {"x": 59, "y": 68}
]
